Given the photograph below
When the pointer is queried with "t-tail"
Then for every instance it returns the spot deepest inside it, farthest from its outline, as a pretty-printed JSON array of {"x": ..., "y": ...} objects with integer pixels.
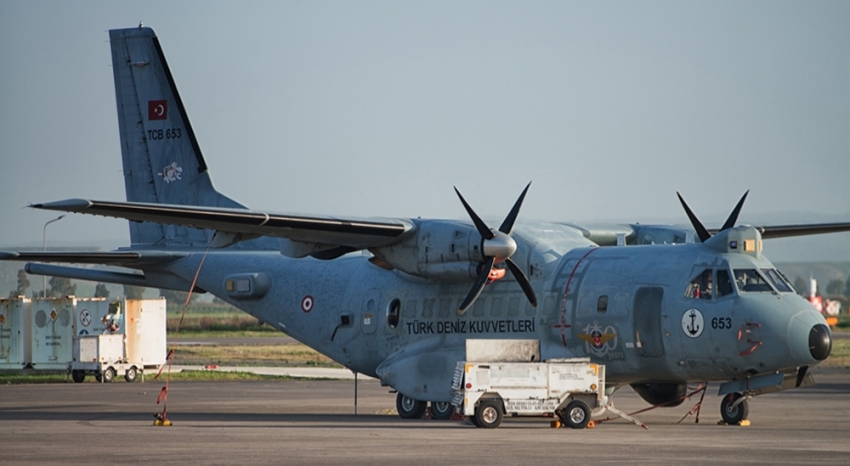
[{"x": 162, "y": 160}]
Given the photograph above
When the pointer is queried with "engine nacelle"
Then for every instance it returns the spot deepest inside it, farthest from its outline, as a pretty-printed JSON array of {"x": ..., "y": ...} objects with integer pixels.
[
  {"x": 666, "y": 394},
  {"x": 441, "y": 250}
]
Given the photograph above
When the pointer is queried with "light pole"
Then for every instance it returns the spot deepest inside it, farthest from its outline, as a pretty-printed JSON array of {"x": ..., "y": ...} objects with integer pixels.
[{"x": 44, "y": 249}]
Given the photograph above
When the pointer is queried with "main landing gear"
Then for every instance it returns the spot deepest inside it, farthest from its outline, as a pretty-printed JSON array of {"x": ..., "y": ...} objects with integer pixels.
[
  {"x": 734, "y": 408},
  {"x": 408, "y": 408}
]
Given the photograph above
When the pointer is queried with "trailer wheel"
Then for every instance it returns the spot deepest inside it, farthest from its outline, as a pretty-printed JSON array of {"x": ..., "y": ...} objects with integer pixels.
[
  {"x": 78, "y": 376},
  {"x": 108, "y": 374},
  {"x": 130, "y": 375},
  {"x": 488, "y": 414},
  {"x": 576, "y": 414},
  {"x": 441, "y": 410},
  {"x": 408, "y": 408},
  {"x": 733, "y": 415}
]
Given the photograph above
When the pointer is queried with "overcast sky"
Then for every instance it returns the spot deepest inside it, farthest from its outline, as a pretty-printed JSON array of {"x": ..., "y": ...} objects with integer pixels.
[{"x": 379, "y": 108}]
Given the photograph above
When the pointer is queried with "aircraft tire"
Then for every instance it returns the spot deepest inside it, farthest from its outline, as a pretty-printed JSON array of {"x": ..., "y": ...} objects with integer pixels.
[
  {"x": 488, "y": 414},
  {"x": 78, "y": 376},
  {"x": 576, "y": 415},
  {"x": 736, "y": 414},
  {"x": 408, "y": 408},
  {"x": 441, "y": 410}
]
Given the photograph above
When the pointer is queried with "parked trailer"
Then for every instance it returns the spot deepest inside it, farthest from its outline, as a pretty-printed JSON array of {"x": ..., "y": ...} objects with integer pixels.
[
  {"x": 567, "y": 388},
  {"x": 103, "y": 357},
  {"x": 135, "y": 341}
]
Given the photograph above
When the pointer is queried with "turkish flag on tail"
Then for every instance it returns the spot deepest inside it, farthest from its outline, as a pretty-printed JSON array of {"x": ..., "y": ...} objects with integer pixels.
[{"x": 157, "y": 109}]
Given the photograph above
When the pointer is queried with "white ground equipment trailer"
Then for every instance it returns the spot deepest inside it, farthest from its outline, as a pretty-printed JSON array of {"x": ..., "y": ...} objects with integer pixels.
[
  {"x": 102, "y": 356},
  {"x": 136, "y": 342},
  {"x": 567, "y": 388}
]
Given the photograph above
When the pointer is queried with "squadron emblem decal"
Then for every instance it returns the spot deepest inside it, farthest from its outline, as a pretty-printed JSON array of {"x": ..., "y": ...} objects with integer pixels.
[
  {"x": 601, "y": 343},
  {"x": 692, "y": 323},
  {"x": 171, "y": 172}
]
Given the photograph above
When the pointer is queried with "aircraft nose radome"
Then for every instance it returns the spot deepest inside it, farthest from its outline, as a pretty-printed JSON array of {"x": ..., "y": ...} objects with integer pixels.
[{"x": 820, "y": 342}]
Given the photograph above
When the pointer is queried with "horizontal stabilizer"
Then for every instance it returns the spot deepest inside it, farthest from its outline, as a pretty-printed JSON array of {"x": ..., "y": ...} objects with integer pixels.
[
  {"x": 117, "y": 258},
  {"x": 356, "y": 234},
  {"x": 87, "y": 274}
]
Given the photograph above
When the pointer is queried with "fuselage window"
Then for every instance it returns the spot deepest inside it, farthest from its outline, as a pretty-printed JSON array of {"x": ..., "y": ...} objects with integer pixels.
[
  {"x": 778, "y": 280},
  {"x": 724, "y": 283},
  {"x": 749, "y": 281},
  {"x": 602, "y": 304},
  {"x": 701, "y": 286},
  {"x": 393, "y": 313}
]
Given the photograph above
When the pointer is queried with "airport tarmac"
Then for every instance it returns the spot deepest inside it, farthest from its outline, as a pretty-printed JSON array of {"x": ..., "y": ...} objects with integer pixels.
[{"x": 312, "y": 422}]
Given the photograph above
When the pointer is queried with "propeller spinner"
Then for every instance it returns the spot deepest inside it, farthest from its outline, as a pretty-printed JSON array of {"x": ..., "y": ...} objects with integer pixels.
[{"x": 497, "y": 246}]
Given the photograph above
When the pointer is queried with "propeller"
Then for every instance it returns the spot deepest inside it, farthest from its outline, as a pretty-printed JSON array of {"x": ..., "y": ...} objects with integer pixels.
[
  {"x": 703, "y": 234},
  {"x": 497, "y": 246}
]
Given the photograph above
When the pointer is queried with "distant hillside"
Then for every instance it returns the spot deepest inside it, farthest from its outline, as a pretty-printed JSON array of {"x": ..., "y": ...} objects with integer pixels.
[{"x": 823, "y": 272}]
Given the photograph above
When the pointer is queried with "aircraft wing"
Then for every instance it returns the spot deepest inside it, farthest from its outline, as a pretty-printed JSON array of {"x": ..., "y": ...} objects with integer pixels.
[
  {"x": 786, "y": 231},
  {"x": 347, "y": 233}
]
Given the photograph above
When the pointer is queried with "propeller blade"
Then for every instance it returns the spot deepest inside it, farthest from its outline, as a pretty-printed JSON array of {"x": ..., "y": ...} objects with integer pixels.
[
  {"x": 508, "y": 224},
  {"x": 478, "y": 287},
  {"x": 482, "y": 227},
  {"x": 523, "y": 282},
  {"x": 733, "y": 217},
  {"x": 703, "y": 234}
]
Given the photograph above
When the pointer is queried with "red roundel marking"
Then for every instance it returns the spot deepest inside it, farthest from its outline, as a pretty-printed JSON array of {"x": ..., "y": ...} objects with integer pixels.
[{"x": 307, "y": 303}]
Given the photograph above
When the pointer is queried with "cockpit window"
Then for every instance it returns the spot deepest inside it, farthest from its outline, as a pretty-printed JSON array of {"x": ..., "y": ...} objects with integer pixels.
[
  {"x": 749, "y": 281},
  {"x": 700, "y": 287},
  {"x": 778, "y": 280},
  {"x": 724, "y": 283}
]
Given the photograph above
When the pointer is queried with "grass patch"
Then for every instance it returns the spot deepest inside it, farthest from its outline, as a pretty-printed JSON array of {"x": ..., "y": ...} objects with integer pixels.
[
  {"x": 294, "y": 354},
  {"x": 840, "y": 355},
  {"x": 238, "y": 322}
]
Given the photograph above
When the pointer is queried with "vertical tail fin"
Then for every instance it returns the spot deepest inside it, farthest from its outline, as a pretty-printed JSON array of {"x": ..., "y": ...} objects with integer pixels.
[{"x": 162, "y": 159}]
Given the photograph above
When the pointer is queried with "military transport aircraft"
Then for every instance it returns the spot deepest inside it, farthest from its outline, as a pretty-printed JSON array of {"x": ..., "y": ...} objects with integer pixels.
[{"x": 660, "y": 306}]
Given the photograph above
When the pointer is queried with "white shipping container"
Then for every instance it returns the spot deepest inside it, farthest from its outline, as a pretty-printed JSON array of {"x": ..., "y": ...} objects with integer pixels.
[
  {"x": 55, "y": 321},
  {"x": 52, "y": 330},
  {"x": 145, "y": 330},
  {"x": 15, "y": 332}
]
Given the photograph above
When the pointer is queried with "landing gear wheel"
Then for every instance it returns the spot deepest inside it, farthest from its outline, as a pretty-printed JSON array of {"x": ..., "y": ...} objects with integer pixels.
[
  {"x": 78, "y": 376},
  {"x": 576, "y": 415},
  {"x": 109, "y": 375},
  {"x": 488, "y": 414},
  {"x": 733, "y": 415},
  {"x": 441, "y": 410},
  {"x": 130, "y": 375},
  {"x": 408, "y": 408}
]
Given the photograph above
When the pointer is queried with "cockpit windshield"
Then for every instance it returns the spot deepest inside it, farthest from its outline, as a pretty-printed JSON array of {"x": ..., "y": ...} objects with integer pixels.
[
  {"x": 749, "y": 281},
  {"x": 779, "y": 281}
]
